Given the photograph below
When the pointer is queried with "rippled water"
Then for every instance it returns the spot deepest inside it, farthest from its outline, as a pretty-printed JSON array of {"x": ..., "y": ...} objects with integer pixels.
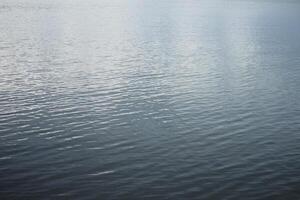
[{"x": 149, "y": 99}]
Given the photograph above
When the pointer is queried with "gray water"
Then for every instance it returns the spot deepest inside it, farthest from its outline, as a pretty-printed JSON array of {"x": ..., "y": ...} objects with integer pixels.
[{"x": 149, "y": 99}]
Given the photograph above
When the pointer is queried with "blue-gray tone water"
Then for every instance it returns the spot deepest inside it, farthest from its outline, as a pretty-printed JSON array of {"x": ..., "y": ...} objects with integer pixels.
[{"x": 149, "y": 99}]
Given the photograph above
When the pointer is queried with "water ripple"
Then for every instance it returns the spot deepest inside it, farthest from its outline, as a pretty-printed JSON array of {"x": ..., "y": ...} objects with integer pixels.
[{"x": 126, "y": 100}]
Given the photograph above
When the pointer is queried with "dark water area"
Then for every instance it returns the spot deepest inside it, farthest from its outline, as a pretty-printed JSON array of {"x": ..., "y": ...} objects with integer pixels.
[{"x": 149, "y": 99}]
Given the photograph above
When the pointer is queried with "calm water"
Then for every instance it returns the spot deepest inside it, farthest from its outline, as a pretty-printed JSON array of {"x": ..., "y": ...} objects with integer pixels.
[{"x": 149, "y": 99}]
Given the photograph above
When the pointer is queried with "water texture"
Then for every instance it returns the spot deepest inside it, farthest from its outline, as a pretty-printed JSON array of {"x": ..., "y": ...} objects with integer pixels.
[{"x": 149, "y": 99}]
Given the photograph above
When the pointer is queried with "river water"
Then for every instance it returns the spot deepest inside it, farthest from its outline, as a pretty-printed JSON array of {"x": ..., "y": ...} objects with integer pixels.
[{"x": 149, "y": 99}]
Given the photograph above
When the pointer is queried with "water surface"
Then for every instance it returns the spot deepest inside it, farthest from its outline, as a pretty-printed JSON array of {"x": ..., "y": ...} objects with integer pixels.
[{"x": 131, "y": 99}]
